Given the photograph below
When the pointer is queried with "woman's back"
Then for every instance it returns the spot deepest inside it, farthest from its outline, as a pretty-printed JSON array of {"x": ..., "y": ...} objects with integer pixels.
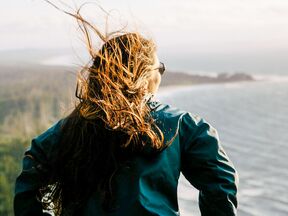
[{"x": 146, "y": 184}]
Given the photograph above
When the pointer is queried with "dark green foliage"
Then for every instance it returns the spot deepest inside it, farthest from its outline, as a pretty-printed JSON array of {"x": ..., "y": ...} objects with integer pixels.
[{"x": 10, "y": 159}]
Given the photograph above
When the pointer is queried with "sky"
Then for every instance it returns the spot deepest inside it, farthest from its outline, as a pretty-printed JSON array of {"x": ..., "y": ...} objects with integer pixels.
[{"x": 202, "y": 27}]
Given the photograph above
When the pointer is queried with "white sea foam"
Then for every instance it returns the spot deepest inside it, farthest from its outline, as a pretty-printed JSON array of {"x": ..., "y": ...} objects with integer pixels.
[{"x": 271, "y": 77}]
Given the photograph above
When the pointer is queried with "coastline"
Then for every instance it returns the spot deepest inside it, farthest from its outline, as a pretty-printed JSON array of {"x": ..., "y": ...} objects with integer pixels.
[
  {"x": 171, "y": 79},
  {"x": 182, "y": 78}
]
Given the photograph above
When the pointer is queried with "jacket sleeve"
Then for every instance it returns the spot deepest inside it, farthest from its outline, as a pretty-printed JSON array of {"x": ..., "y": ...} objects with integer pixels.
[
  {"x": 34, "y": 174},
  {"x": 207, "y": 167}
]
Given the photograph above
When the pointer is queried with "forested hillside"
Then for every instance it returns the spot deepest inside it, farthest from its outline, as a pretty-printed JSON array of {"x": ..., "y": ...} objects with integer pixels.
[{"x": 32, "y": 97}]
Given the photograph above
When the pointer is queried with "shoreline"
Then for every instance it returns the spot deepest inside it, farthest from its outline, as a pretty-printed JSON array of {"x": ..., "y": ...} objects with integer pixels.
[
  {"x": 170, "y": 78},
  {"x": 182, "y": 78}
]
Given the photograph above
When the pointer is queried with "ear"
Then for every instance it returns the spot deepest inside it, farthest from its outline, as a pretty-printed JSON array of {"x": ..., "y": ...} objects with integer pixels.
[{"x": 146, "y": 85}]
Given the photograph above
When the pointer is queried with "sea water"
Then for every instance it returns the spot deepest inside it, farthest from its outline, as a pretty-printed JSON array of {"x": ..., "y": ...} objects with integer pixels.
[{"x": 252, "y": 122}]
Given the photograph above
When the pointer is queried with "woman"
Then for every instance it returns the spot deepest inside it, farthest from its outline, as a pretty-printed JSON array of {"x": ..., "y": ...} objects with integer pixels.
[{"x": 120, "y": 152}]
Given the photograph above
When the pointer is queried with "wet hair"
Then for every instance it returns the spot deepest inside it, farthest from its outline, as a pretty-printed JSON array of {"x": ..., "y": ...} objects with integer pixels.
[{"x": 110, "y": 122}]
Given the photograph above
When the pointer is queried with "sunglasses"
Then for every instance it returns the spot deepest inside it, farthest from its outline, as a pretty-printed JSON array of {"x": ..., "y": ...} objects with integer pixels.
[{"x": 161, "y": 68}]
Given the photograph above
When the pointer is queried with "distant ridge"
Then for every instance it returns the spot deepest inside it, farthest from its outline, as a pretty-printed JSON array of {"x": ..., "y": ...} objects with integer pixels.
[
  {"x": 180, "y": 78},
  {"x": 28, "y": 71}
]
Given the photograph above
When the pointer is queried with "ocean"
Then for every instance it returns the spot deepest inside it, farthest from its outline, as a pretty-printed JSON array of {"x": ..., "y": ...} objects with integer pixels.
[{"x": 252, "y": 121}]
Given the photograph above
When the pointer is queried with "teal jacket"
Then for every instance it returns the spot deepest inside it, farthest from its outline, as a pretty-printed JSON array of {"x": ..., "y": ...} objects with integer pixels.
[{"x": 148, "y": 184}]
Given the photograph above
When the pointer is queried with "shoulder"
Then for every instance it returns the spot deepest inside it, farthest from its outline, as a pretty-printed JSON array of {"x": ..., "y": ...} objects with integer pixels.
[
  {"x": 43, "y": 144},
  {"x": 188, "y": 125},
  {"x": 54, "y": 130},
  {"x": 165, "y": 112}
]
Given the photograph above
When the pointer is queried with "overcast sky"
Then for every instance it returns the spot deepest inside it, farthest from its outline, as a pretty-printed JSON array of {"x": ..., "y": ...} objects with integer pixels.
[
  {"x": 208, "y": 25},
  {"x": 198, "y": 26}
]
